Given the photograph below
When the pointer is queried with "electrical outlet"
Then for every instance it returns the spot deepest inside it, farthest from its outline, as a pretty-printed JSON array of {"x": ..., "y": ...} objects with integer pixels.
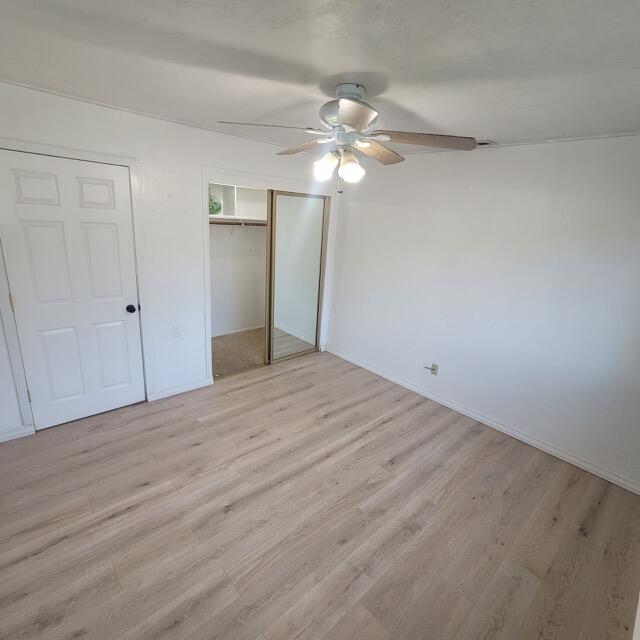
[{"x": 433, "y": 369}]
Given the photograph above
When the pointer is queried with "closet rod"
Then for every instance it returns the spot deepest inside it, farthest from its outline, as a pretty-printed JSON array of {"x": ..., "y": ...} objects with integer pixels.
[{"x": 239, "y": 223}]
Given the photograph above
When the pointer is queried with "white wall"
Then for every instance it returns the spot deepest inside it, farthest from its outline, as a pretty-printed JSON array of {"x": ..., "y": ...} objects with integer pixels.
[
  {"x": 517, "y": 270},
  {"x": 298, "y": 245},
  {"x": 251, "y": 203},
  {"x": 171, "y": 240},
  {"x": 238, "y": 277}
]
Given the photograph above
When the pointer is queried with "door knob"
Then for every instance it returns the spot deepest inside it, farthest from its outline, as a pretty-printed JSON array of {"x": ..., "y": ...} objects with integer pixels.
[{"x": 131, "y": 308}]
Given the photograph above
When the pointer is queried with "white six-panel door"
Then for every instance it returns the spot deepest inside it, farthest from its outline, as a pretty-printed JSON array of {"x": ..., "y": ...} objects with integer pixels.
[{"x": 67, "y": 235}]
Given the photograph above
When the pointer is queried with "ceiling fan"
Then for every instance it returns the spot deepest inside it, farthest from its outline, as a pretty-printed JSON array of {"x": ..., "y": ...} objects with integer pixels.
[{"x": 349, "y": 127}]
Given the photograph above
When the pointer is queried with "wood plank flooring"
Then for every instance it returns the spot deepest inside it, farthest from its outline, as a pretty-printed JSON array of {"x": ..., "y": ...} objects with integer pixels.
[{"x": 310, "y": 500}]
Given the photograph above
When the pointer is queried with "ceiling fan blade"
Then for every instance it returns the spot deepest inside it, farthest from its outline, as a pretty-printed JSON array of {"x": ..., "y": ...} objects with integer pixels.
[
  {"x": 301, "y": 147},
  {"x": 379, "y": 152},
  {"x": 356, "y": 115},
  {"x": 429, "y": 139},
  {"x": 279, "y": 126}
]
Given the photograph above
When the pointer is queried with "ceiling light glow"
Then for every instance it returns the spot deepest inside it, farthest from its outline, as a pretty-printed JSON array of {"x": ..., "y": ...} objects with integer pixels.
[
  {"x": 350, "y": 169},
  {"x": 323, "y": 168}
]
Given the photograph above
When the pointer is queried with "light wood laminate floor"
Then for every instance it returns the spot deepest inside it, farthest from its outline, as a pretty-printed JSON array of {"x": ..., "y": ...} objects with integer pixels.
[{"x": 311, "y": 500}]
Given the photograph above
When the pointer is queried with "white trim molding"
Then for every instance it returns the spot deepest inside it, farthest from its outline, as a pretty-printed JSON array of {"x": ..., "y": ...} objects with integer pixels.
[
  {"x": 240, "y": 330},
  {"x": 165, "y": 393},
  {"x": 28, "y": 146},
  {"x": 494, "y": 424},
  {"x": 18, "y": 432}
]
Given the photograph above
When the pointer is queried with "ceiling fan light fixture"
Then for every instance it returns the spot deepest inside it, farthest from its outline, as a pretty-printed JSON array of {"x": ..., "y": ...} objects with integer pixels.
[
  {"x": 349, "y": 127},
  {"x": 323, "y": 169},
  {"x": 350, "y": 169}
]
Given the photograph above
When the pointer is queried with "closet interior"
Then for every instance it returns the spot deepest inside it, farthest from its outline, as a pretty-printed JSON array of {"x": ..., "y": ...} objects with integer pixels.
[
  {"x": 238, "y": 254},
  {"x": 266, "y": 252}
]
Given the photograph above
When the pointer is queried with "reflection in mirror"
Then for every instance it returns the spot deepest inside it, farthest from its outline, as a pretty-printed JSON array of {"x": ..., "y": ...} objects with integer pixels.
[{"x": 297, "y": 253}]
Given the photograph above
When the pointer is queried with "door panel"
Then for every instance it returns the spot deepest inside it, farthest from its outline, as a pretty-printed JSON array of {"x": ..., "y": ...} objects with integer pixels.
[
  {"x": 67, "y": 234},
  {"x": 103, "y": 256},
  {"x": 47, "y": 254},
  {"x": 96, "y": 194},
  {"x": 64, "y": 367},
  {"x": 36, "y": 187},
  {"x": 297, "y": 228},
  {"x": 114, "y": 353}
]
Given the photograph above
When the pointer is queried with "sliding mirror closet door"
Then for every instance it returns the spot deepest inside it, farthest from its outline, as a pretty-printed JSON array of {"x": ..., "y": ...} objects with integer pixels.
[{"x": 297, "y": 240}]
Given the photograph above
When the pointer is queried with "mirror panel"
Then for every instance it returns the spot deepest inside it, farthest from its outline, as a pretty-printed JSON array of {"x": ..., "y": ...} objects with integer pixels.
[{"x": 296, "y": 259}]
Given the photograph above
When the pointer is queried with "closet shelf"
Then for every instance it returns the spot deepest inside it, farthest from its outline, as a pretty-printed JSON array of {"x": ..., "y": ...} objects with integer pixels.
[{"x": 237, "y": 221}]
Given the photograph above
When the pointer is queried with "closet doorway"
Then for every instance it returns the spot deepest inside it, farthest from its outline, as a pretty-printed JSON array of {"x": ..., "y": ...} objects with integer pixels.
[
  {"x": 267, "y": 264},
  {"x": 238, "y": 243}
]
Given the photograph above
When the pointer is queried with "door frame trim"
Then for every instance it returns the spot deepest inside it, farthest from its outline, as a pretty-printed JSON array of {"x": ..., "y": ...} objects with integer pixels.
[
  {"x": 8, "y": 322},
  {"x": 135, "y": 192}
]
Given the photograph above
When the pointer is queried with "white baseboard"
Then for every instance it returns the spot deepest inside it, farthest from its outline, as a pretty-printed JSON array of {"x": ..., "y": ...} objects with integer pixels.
[
  {"x": 165, "y": 393},
  {"x": 495, "y": 424},
  {"x": 18, "y": 432},
  {"x": 227, "y": 333}
]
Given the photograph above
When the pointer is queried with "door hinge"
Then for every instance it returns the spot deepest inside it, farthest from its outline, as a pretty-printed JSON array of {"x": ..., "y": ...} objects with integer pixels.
[
  {"x": 28, "y": 395},
  {"x": 11, "y": 301}
]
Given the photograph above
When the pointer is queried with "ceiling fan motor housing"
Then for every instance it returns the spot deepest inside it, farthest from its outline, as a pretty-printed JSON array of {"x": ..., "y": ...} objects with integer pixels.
[
  {"x": 329, "y": 110},
  {"x": 350, "y": 90}
]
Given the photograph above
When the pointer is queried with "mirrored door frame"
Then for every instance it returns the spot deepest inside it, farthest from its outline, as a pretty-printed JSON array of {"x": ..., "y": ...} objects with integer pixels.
[{"x": 271, "y": 232}]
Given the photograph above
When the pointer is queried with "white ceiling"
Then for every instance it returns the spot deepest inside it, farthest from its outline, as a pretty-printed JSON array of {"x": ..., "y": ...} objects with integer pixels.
[{"x": 505, "y": 70}]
